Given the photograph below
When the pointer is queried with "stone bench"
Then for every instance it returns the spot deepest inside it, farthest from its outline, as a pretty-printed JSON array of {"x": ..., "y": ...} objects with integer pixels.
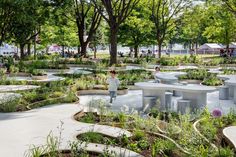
[
  {"x": 197, "y": 94},
  {"x": 183, "y": 106},
  {"x": 224, "y": 93},
  {"x": 230, "y": 81},
  {"x": 168, "y": 102},
  {"x": 169, "y": 77},
  {"x": 149, "y": 102}
]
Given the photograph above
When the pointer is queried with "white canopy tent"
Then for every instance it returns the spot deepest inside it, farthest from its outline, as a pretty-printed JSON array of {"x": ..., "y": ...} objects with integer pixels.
[
  {"x": 210, "y": 48},
  {"x": 232, "y": 45}
]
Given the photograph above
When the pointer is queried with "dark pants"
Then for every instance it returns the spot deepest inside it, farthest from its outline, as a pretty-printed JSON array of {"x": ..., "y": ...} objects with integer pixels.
[{"x": 112, "y": 95}]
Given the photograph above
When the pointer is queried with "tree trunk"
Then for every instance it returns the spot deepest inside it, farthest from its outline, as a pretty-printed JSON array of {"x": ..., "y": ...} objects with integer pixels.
[
  {"x": 22, "y": 54},
  {"x": 35, "y": 47},
  {"x": 159, "y": 49},
  {"x": 28, "y": 49},
  {"x": 83, "y": 49},
  {"x": 196, "y": 46},
  {"x": 113, "y": 46},
  {"x": 63, "y": 51},
  {"x": 47, "y": 49},
  {"x": 136, "y": 51},
  {"x": 95, "y": 52}
]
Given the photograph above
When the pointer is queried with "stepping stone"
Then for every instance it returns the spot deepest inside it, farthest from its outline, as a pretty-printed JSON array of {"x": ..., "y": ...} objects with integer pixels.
[{"x": 230, "y": 134}]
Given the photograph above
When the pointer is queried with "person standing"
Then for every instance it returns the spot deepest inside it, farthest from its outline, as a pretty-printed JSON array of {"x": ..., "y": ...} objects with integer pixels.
[
  {"x": 157, "y": 70},
  {"x": 113, "y": 84}
]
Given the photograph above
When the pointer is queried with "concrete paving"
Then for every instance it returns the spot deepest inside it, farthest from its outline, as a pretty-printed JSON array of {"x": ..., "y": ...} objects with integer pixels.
[
  {"x": 12, "y": 88},
  {"x": 20, "y": 130},
  {"x": 230, "y": 133},
  {"x": 50, "y": 78}
]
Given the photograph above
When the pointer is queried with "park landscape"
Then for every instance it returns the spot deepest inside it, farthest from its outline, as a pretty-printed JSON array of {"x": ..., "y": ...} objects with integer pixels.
[{"x": 56, "y": 57}]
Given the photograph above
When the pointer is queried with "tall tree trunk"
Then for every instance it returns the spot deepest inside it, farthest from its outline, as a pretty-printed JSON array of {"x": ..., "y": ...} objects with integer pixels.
[
  {"x": 95, "y": 52},
  {"x": 22, "y": 54},
  {"x": 196, "y": 46},
  {"x": 28, "y": 49},
  {"x": 159, "y": 49},
  {"x": 35, "y": 47},
  {"x": 63, "y": 51},
  {"x": 136, "y": 51},
  {"x": 113, "y": 47},
  {"x": 83, "y": 49},
  {"x": 227, "y": 40}
]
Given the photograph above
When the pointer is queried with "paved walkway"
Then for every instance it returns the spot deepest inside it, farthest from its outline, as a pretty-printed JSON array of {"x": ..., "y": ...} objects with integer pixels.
[
  {"x": 50, "y": 78},
  {"x": 20, "y": 130},
  {"x": 230, "y": 133},
  {"x": 12, "y": 88}
]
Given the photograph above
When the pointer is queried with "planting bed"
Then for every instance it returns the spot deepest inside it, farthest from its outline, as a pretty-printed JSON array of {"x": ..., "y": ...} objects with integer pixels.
[
  {"x": 114, "y": 120},
  {"x": 141, "y": 142}
]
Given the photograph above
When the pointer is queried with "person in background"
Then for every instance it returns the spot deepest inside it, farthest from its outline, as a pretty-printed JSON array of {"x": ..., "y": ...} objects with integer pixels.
[
  {"x": 114, "y": 83},
  {"x": 157, "y": 70}
]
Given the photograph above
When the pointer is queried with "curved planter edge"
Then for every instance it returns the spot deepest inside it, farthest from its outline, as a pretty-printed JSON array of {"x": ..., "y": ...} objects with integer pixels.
[
  {"x": 112, "y": 124},
  {"x": 51, "y": 99},
  {"x": 170, "y": 139},
  {"x": 201, "y": 135},
  {"x": 228, "y": 140}
]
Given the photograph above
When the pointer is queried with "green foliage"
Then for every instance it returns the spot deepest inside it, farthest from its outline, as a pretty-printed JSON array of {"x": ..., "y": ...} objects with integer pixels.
[
  {"x": 88, "y": 118},
  {"x": 163, "y": 147},
  {"x": 195, "y": 74},
  {"x": 37, "y": 72},
  {"x": 221, "y": 24},
  {"x": 224, "y": 152},
  {"x": 13, "y": 69},
  {"x": 137, "y": 29},
  {"x": 192, "y": 26},
  {"x": 138, "y": 135},
  {"x": 9, "y": 105},
  {"x": 91, "y": 137},
  {"x": 212, "y": 80}
]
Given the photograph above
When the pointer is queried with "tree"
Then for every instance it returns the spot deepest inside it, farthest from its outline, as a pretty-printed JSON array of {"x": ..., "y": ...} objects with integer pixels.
[
  {"x": 85, "y": 16},
  {"x": 231, "y": 5},
  {"x": 99, "y": 38},
  {"x": 31, "y": 14},
  {"x": 137, "y": 29},
  {"x": 114, "y": 12},
  {"x": 222, "y": 25},
  {"x": 164, "y": 16},
  {"x": 64, "y": 35},
  {"x": 192, "y": 25},
  {"x": 7, "y": 13}
]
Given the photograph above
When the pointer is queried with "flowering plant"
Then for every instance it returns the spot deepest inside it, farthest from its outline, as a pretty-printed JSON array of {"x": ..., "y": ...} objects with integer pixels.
[{"x": 216, "y": 113}]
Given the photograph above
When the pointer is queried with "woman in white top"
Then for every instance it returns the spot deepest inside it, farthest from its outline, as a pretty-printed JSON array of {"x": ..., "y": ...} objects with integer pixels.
[{"x": 114, "y": 83}]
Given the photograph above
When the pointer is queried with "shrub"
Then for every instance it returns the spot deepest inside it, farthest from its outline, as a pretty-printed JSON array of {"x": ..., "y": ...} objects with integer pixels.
[
  {"x": 212, "y": 81},
  {"x": 9, "y": 105}
]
